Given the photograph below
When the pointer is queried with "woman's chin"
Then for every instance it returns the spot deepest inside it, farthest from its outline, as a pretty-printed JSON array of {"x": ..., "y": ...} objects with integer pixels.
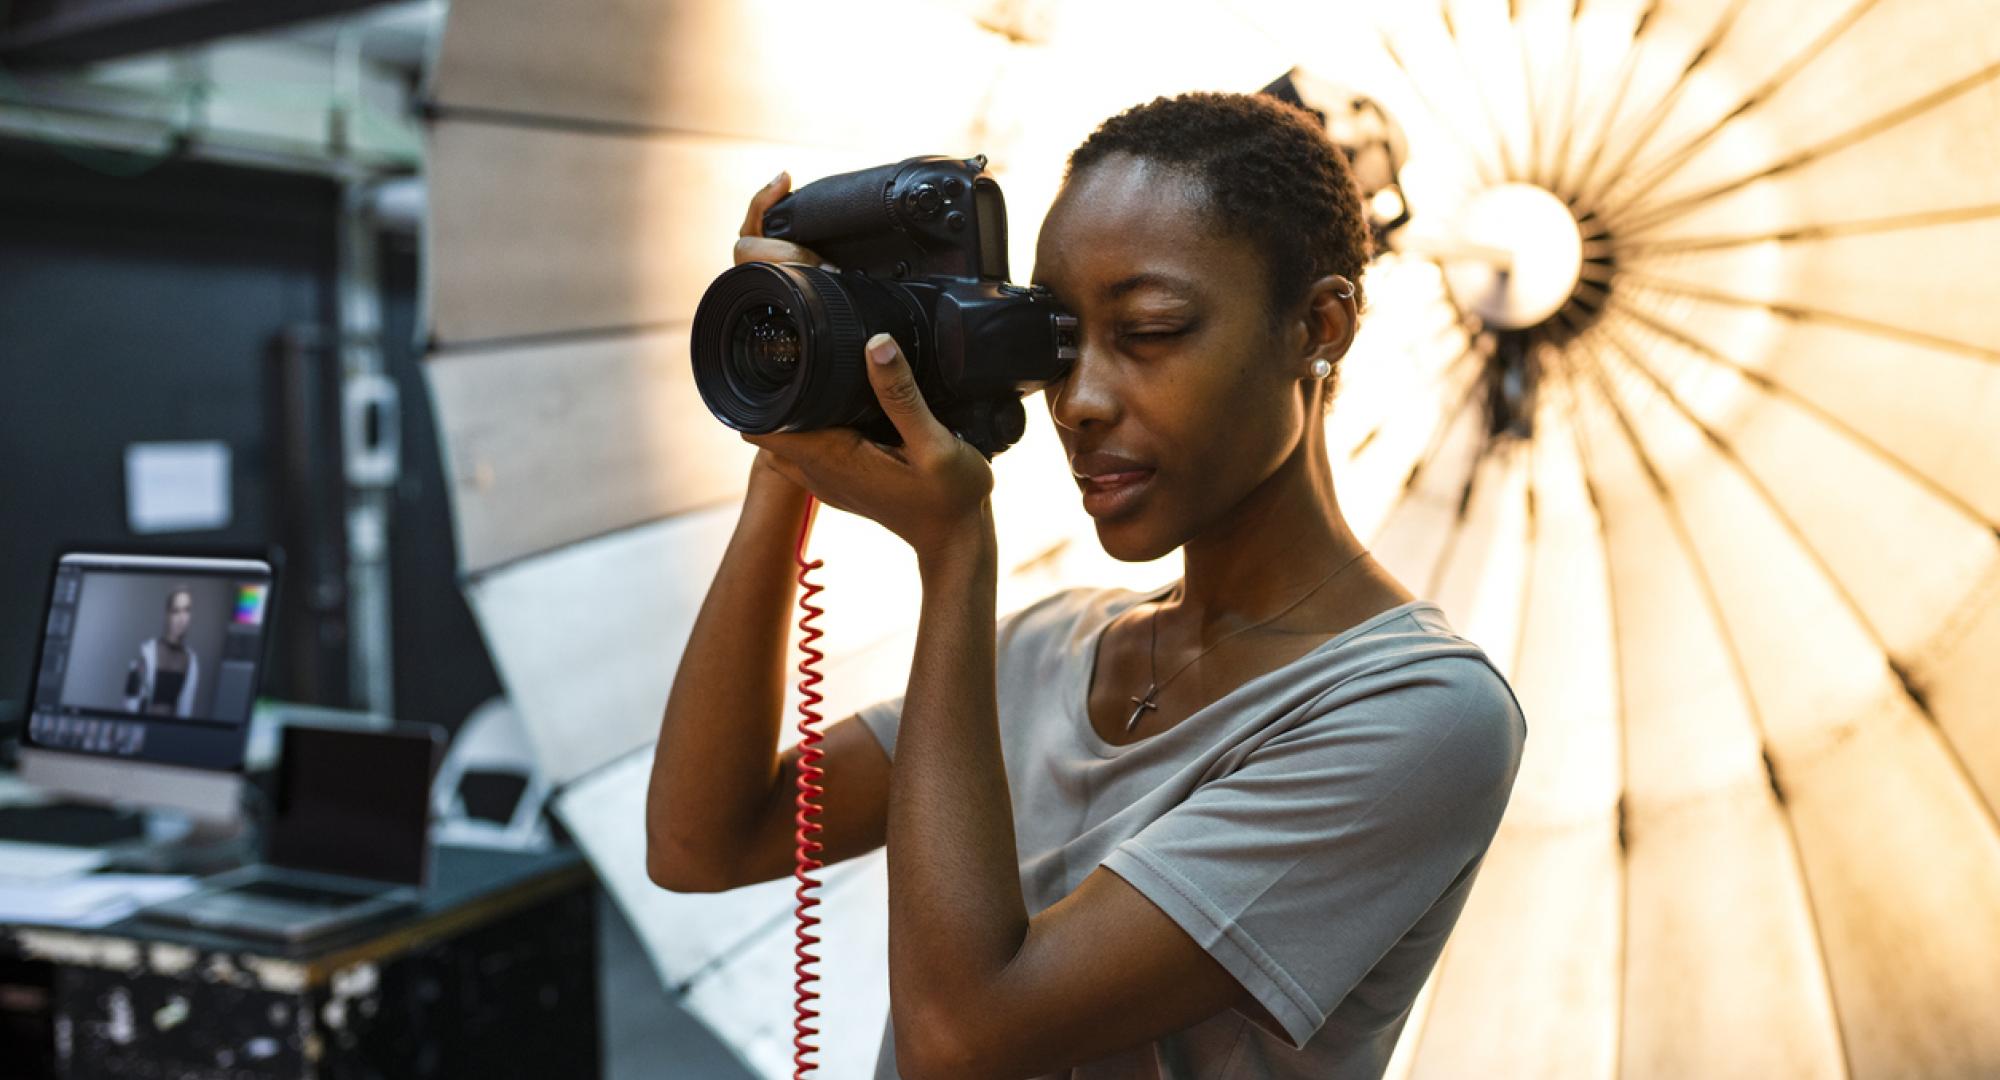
[{"x": 1129, "y": 541}]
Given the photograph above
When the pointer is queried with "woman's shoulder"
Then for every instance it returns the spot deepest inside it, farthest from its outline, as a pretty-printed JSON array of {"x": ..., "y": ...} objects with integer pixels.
[{"x": 1070, "y": 611}]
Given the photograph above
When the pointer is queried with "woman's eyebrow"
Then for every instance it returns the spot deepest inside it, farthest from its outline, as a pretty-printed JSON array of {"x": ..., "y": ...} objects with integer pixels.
[{"x": 1148, "y": 279}]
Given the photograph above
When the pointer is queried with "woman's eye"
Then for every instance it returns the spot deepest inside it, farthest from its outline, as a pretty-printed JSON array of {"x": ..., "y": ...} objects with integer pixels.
[{"x": 1154, "y": 335}]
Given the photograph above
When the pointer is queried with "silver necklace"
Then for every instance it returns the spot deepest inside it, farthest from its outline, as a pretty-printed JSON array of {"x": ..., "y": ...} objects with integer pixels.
[{"x": 1141, "y": 705}]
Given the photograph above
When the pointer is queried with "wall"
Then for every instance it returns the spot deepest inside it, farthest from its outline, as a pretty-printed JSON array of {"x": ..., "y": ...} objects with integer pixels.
[{"x": 144, "y": 301}]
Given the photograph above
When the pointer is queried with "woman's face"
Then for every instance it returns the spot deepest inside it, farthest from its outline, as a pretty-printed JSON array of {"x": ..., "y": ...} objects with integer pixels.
[
  {"x": 180, "y": 612},
  {"x": 1184, "y": 397}
]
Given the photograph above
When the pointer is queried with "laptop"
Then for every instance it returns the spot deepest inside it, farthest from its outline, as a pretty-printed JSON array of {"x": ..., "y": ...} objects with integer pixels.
[{"x": 348, "y": 841}]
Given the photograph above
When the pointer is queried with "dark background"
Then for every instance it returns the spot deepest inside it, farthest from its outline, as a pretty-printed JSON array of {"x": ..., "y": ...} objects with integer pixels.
[{"x": 148, "y": 301}]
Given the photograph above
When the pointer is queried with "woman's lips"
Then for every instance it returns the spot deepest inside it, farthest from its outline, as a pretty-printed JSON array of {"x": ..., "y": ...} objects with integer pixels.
[{"x": 1109, "y": 493}]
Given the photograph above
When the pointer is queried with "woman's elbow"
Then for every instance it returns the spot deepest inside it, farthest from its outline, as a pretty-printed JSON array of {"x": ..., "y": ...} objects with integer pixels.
[
  {"x": 676, "y": 870},
  {"x": 930, "y": 1047}
]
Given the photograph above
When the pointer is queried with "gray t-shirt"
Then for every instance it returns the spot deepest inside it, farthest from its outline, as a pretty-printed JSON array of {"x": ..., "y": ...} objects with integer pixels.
[{"x": 1316, "y": 830}]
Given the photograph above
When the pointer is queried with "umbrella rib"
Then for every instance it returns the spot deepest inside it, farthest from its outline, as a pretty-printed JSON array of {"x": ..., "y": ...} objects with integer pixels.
[
  {"x": 1485, "y": 103},
  {"x": 1812, "y": 314},
  {"x": 1435, "y": 576},
  {"x": 1628, "y": 66},
  {"x": 1572, "y": 376},
  {"x": 1534, "y": 528},
  {"x": 1650, "y": 126},
  {"x": 1778, "y": 389},
  {"x": 1799, "y": 536},
  {"x": 1657, "y": 173},
  {"x": 1438, "y": 434},
  {"x": 1919, "y": 220},
  {"x": 1527, "y": 90},
  {"x": 1643, "y": 217},
  {"x": 1473, "y": 153},
  {"x": 1712, "y": 600},
  {"x": 1566, "y": 116}
]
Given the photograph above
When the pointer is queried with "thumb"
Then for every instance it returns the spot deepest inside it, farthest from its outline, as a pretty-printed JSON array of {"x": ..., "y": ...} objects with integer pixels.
[{"x": 896, "y": 388}]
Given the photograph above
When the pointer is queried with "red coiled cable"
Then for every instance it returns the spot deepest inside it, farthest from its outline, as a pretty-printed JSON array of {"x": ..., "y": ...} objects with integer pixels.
[{"x": 805, "y": 862}]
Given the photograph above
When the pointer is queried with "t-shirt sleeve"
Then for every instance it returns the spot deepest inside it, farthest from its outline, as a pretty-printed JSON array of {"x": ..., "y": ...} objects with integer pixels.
[
  {"x": 1302, "y": 867},
  {"x": 1016, "y": 634},
  {"x": 881, "y": 719}
]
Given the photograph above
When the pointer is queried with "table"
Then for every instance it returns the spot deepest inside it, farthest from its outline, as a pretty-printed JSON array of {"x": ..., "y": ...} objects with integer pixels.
[{"x": 494, "y": 974}]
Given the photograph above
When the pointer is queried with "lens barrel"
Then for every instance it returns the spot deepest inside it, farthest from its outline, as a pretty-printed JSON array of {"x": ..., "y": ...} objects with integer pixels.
[{"x": 777, "y": 347}]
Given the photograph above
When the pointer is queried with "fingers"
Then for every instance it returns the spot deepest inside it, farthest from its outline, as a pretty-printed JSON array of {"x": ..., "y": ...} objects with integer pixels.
[
  {"x": 896, "y": 389},
  {"x": 766, "y": 197},
  {"x": 792, "y": 455},
  {"x": 761, "y": 249}
]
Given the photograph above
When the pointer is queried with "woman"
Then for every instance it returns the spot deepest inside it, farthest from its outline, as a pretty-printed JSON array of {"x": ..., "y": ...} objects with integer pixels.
[
  {"x": 161, "y": 680},
  {"x": 1219, "y": 831}
]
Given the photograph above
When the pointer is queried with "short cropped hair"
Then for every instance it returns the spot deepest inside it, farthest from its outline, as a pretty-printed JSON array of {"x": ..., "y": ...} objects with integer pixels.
[{"x": 1270, "y": 174}]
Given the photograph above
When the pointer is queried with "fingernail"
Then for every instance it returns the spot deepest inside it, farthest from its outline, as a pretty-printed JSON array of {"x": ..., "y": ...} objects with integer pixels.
[
  {"x": 881, "y": 348},
  {"x": 778, "y": 179}
]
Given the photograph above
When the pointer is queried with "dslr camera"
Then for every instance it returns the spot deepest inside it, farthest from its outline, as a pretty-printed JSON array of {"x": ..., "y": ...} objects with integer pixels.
[{"x": 921, "y": 247}]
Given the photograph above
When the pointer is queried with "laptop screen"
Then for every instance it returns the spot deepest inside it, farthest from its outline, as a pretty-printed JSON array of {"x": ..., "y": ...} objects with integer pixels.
[
  {"x": 151, "y": 658},
  {"x": 355, "y": 801}
]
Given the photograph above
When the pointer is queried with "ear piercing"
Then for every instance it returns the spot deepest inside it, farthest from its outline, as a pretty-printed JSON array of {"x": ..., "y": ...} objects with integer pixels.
[{"x": 1323, "y": 367}]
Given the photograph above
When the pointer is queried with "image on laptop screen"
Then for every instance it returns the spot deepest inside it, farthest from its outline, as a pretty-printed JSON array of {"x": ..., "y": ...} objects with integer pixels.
[{"x": 151, "y": 658}]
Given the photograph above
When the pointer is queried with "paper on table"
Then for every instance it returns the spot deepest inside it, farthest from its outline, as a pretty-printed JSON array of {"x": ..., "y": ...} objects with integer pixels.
[
  {"x": 89, "y": 901},
  {"x": 24, "y": 862}
]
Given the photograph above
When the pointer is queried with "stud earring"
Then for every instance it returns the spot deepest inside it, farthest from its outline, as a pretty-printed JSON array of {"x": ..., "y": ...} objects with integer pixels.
[{"x": 1321, "y": 368}]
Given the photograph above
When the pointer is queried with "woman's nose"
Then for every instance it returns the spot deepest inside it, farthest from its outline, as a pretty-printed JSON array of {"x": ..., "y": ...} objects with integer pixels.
[{"x": 1085, "y": 396}]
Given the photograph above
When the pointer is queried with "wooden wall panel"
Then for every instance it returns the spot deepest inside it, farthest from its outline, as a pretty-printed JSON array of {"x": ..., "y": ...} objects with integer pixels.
[
  {"x": 586, "y": 639},
  {"x": 536, "y": 231},
  {"x": 729, "y": 954},
  {"x": 546, "y": 445},
  {"x": 848, "y": 74}
]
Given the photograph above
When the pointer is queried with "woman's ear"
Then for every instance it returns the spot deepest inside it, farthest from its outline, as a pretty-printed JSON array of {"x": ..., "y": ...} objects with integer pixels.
[{"x": 1331, "y": 318}]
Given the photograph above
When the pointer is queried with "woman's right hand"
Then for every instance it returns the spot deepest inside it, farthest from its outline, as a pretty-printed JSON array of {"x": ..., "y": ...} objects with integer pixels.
[{"x": 753, "y": 246}]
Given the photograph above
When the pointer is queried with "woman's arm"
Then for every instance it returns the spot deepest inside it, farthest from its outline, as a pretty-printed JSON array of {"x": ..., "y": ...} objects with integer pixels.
[
  {"x": 184, "y": 707},
  {"x": 136, "y": 687},
  {"x": 955, "y": 907},
  {"x": 719, "y": 810},
  {"x": 716, "y": 759}
]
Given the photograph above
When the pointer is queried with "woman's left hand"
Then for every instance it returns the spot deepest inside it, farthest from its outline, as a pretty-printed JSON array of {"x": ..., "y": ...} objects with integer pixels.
[{"x": 931, "y": 491}]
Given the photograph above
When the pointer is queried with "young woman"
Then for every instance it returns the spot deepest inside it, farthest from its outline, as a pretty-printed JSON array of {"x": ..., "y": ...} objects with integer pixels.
[
  {"x": 161, "y": 680},
  {"x": 1218, "y": 831}
]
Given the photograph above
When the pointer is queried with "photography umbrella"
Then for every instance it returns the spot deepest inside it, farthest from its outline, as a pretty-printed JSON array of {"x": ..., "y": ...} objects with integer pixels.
[{"x": 1677, "y": 390}]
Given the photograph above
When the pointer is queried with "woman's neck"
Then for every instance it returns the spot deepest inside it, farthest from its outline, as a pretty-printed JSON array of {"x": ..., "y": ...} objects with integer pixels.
[{"x": 1279, "y": 542}]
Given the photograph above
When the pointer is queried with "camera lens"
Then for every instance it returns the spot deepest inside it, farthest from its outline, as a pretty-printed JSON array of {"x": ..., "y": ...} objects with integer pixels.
[
  {"x": 777, "y": 347},
  {"x": 764, "y": 349}
]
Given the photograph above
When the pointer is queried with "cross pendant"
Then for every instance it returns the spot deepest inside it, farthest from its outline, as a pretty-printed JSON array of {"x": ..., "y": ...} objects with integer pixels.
[{"x": 1140, "y": 705}]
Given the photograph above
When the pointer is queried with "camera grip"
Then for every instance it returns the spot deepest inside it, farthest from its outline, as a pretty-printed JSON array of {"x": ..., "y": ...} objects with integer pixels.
[{"x": 835, "y": 208}]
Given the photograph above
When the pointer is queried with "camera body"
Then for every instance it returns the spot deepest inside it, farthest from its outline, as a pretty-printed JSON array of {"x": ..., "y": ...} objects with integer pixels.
[{"x": 921, "y": 251}]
